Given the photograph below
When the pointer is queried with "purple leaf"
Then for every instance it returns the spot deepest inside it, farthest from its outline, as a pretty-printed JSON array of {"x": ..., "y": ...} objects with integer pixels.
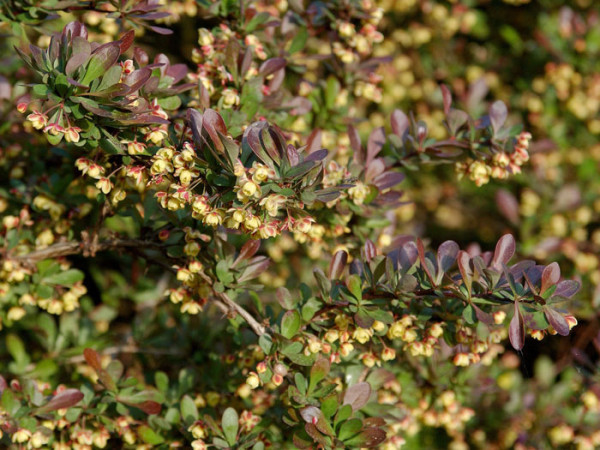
[
  {"x": 375, "y": 144},
  {"x": 357, "y": 395},
  {"x": 508, "y": 205},
  {"x": 456, "y": 119},
  {"x": 505, "y": 249},
  {"x": 271, "y": 66},
  {"x": 375, "y": 168},
  {"x": 387, "y": 180},
  {"x": 567, "y": 288},
  {"x": 177, "y": 72},
  {"x": 426, "y": 267},
  {"x": 75, "y": 29},
  {"x": 464, "y": 267},
  {"x": 557, "y": 321},
  {"x": 161, "y": 30},
  {"x": 317, "y": 155},
  {"x": 314, "y": 141},
  {"x": 292, "y": 155},
  {"x": 356, "y": 145},
  {"x": 498, "y": 114},
  {"x": 446, "y": 256},
  {"x": 136, "y": 79},
  {"x": 399, "y": 122},
  {"x": 516, "y": 329},
  {"x": 255, "y": 267},
  {"x": 338, "y": 264}
]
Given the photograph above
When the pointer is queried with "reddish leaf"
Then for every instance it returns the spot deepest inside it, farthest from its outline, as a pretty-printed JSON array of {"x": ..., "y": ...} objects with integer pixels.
[
  {"x": 357, "y": 395},
  {"x": 314, "y": 141},
  {"x": 447, "y": 97},
  {"x": 126, "y": 41},
  {"x": 367, "y": 438},
  {"x": 338, "y": 264},
  {"x": 140, "y": 56},
  {"x": 505, "y": 249},
  {"x": 550, "y": 276},
  {"x": 75, "y": 29},
  {"x": 314, "y": 433},
  {"x": 557, "y": 321},
  {"x": 213, "y": 123},
  {"x": 247, "y": 251},
  {"x": 374, "y": 169},
  {"x": 400, "y": 122},
  {"x": 370, "y": 251},
  {"x": 92, "y": 358},
  {"x": 149, "y": 407},
  {"x": 516, "y": 329},
  {"x": 65, "y": 399}
]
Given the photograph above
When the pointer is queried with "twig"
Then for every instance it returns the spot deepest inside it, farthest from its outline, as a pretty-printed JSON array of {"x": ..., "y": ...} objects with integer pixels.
[
  {"x": 74, "y": 248},
  {"x": 87, "y": 248},
  {"x": 258, "y": 329}
]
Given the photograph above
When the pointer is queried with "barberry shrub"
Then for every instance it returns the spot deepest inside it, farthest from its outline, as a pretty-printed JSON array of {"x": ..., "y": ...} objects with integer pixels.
[{"x": 206, "y": 249}]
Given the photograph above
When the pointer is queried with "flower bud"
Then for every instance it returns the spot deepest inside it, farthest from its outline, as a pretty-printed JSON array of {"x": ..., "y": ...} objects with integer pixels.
[{"x": 253, "y": 381}]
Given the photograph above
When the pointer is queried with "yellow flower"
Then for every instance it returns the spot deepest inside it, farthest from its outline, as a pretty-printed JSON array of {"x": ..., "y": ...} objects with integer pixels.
[
  {"x": 252, "y": 222},
  {"x": 388, "y": 354},
  {"x": 21, "y": 436},
  {"x": 213, "y": 218},
  {"x": 362, "y": 335},
  {"x": 105, "y": 185}
]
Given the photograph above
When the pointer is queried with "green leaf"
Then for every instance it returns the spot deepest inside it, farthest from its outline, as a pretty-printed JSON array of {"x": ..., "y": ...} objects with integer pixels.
[
  {"x": 319, "y": 371},
  {"x": 266, "y": 343},
  {"x": 223, "y": 272},
  {"x": 329, "y": 406},
  {"x": 110, "y": 78},
  {"x": 300, "y": 383},
  {"x": 66, "y": 278},
  {"x": 149, "y": 436},
  {"x": 354, "y": 285},
  {"x": 170, "y": 103},
  {"x": 16, "y": 348},
  {"x": 40, "y": 90},
  {"x": 100, "y": 62},
  {"x": 299, "y": 40},
  {"x": 189, "y": 411},
  {"x": 229, "y": 423},
  {"x": 251, "y": 97},
  {"x": 349, "y": 429},
  {"x": 290, "y": 324}
]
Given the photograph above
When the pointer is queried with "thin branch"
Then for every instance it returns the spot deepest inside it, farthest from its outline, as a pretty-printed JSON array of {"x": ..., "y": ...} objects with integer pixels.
[
  {"x": 258, "y": 329},
  {"x": 87, "y": 248},
  {"x": 74, "y": 248}
]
